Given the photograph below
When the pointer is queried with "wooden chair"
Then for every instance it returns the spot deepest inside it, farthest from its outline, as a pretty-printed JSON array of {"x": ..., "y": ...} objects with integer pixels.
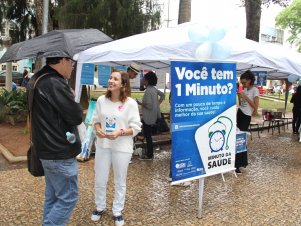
[
  {"x": 286, "y": 118},
  {"x": 277, "y": 121}
]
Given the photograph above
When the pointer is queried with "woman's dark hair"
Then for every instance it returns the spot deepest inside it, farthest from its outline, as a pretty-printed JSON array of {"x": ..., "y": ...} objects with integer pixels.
[
  {"x": 25, "y": 72},
  {"x": 125, "y": 91},
  {"x": 248, "y": 75},
  {"x": 151, "y": 78}
]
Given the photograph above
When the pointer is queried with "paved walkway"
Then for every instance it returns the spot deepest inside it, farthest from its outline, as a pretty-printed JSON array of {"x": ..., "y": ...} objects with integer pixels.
[{"x": 266, "y": 193}]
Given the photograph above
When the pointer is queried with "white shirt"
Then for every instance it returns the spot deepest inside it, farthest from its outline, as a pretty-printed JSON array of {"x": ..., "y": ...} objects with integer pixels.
[
  {"x": 115, "y": 116},
  {"x": 244, "y": 105}
]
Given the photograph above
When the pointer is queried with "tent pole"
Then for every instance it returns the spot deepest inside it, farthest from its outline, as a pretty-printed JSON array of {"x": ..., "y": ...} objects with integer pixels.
[
  {"x": 287, "y": 87},
  {"x": 45, "y": 24}
]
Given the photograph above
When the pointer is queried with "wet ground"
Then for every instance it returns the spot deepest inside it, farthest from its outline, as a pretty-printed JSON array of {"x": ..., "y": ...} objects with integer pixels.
[{"x": 268, "y": 192}]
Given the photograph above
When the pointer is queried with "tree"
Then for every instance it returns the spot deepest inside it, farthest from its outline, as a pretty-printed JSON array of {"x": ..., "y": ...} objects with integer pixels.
[
  {"x": 116, "y": 18},
  {"x": 22, "y": 13},
  {"x": 2, "y": 12},
  {"x": 253, "y": 15},
  {"x": 184, "y": 11},
  {"x": 290, "y": 18}
]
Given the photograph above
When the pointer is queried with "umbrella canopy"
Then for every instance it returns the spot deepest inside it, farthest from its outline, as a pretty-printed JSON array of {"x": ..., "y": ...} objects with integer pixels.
[{"x": 56, "y": 43}]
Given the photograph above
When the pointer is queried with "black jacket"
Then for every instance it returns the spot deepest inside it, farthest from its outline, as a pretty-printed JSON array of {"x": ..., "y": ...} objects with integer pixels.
[
  {"x": 54, "y": 112},
  {"x": 296, "y": 100}
]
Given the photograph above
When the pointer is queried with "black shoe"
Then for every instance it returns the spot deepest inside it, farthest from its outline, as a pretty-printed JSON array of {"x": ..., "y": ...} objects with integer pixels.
[
  {"x": 145, "y": 158},
  {"x": 237, "y": 170}
]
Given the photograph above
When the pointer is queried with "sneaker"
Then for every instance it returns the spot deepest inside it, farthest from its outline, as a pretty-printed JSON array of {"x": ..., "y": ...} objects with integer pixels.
[
  {"x": 119, "y": 221},
  {"x": 237, "y": 170},
  {"x": 145, "y": 158},
  {"x": 96, "y": 215}
]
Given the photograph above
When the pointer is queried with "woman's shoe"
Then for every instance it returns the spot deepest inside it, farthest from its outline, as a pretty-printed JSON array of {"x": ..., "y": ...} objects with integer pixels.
[{"x": 237, "y": 170}]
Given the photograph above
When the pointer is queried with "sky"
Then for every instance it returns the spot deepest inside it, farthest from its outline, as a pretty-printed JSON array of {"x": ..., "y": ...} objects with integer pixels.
[{"x": 225, "y": 13}]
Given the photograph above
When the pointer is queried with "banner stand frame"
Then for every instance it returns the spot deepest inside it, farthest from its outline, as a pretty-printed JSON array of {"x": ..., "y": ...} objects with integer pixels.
[
  {"x": 222, "y": 174},
  {"x": 201, "y": 193}
]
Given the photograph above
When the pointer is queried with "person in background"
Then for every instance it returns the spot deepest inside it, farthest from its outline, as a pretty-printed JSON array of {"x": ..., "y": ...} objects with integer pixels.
[
  {"x": 248, "y": 106},
  {"x": 13, "y": 86},
  {"x": 54, "y": 112},
  {"x": 116, "y": 120},
  {"x": 296, "y": 100},
  {"x": 150, "y": 111},
  {"x": 133, "y": 70},
  {"x": 25, "y": 78}
]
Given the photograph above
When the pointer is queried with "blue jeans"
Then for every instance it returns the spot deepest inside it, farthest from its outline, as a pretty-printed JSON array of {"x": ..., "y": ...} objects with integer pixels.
[{"x": 61, "y": 192}]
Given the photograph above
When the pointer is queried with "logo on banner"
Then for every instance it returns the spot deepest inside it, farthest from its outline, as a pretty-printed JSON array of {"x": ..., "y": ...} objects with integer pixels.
[
  {"x": 217, "y": 133},
  {"x": 218, "y": 148}
]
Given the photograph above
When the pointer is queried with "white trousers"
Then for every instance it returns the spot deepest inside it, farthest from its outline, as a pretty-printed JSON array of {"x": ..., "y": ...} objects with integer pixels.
[{"x": 104, "y": 158}]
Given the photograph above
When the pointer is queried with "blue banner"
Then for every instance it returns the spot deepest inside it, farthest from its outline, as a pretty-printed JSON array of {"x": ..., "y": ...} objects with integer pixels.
[
  {"x": 123, "y": 68},
  {"x": 104, "y": 73},
  {"x": 88, "y": 141},
  {"x": 241, "y": 142},
  {"x": 260, "y": 78},
  {"x": 87, "y": 76},
  {"x": 203, "y": 111}
]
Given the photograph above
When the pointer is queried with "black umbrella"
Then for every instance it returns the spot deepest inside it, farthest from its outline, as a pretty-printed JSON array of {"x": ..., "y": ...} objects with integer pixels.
[{"x": 56, "y": 43}]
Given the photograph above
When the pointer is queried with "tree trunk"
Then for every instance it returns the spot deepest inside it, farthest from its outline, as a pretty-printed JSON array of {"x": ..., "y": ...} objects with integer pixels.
[
  {"x": 184, "y": 11},
  {"x": 253, "y": 14},
  {"x": 39, "y": 16}
]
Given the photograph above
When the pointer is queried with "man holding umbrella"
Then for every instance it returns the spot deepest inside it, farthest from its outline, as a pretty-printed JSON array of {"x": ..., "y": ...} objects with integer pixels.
[{"x": 54, "y": 113}]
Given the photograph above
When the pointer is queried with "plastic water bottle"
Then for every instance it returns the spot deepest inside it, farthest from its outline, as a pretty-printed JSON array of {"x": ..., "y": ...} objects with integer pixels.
[{"x": 71, "y": 137}]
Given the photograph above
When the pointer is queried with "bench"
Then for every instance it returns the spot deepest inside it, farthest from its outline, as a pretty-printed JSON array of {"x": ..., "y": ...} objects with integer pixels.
[{"x": 139, "y": 139}]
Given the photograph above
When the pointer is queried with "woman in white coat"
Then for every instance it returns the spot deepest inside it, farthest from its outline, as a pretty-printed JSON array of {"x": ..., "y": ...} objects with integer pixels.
[{"x": 116, "y": 121}]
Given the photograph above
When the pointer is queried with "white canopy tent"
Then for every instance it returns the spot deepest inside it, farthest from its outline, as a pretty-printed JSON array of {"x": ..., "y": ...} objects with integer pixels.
[{"x": 154, "y": 50}]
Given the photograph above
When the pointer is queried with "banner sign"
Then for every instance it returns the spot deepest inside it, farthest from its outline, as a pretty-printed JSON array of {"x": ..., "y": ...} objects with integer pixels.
[
  {"x": 260, "y": 78},
  {"x": 123, "y": 68},
  {"x": 241, "y": 142},
  {"x": 203, "y": 111},
  {"x": 104, "y": 73},
  {"x": 87, "y": 77}
]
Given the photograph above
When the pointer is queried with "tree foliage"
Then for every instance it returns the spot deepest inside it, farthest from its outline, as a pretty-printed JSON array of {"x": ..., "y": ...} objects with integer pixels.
[
  {"x": 116, "y": 18},
  {"x": 22, "y": 14},
  {"x": 290, "y": 18},
  {"x": 2, "y": 12}
]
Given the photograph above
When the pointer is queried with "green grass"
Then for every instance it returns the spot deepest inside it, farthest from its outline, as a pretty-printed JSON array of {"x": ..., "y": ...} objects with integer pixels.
[
  {"x": 269, "y": 104},
  {"x": 165, "y": 107}
]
